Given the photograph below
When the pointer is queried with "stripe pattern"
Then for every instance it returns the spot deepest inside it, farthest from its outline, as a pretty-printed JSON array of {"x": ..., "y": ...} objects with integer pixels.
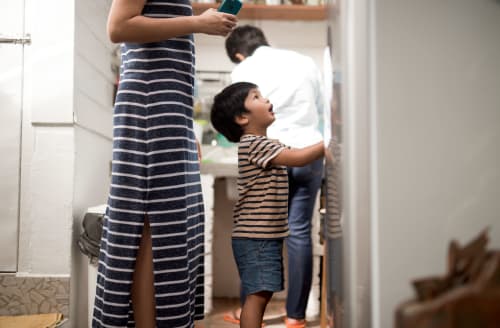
[
  {"x": 333, "y": 174},
  {"x": 262, "y": 207},
  {"x": 155, "y": 174}
]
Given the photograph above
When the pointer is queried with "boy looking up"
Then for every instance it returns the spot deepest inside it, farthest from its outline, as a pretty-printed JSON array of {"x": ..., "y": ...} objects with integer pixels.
[{"x": 242, "y": 115}]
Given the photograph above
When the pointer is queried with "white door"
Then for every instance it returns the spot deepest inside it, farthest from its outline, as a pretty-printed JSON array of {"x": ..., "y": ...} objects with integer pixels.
[{"x": 11, "y": 89}]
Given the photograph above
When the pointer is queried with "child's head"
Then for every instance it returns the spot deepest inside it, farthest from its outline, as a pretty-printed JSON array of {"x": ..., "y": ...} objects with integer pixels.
[{"x": 240, "y": 109}]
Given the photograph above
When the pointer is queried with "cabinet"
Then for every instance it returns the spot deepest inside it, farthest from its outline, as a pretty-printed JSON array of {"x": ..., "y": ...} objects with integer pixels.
[{"x": 268, "y": 12}]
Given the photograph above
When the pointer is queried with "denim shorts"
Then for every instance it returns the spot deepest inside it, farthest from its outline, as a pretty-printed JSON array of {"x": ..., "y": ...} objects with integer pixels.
[{"x": 260, "y": 264}]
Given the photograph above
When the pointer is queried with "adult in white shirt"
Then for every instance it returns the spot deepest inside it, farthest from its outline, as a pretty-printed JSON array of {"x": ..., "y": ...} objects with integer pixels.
[{"x": 293, "y": 84}]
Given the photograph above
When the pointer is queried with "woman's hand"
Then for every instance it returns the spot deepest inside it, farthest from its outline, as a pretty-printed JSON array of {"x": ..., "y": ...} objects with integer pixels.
[
  {"x": 127, "y": 24},
  {"x": 213, "y": 22}
]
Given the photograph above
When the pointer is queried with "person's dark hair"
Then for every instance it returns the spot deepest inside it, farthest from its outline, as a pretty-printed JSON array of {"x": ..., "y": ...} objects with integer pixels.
[
  {"x": 228, "y": 104},
  {"x": 244, "y": 40}
]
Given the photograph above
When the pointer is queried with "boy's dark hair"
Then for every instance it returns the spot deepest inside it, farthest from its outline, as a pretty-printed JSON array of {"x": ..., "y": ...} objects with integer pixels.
[
  {"x": 228, "y": 104},
  {"x": 244, "y": 40}
]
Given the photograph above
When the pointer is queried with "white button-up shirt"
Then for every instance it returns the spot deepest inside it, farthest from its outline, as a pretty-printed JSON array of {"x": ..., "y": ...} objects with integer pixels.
[{"x": 293, "y": 84}]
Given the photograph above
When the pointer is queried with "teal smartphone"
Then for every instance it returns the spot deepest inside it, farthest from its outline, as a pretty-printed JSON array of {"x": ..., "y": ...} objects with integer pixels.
[{"x": 230, "y": 6}]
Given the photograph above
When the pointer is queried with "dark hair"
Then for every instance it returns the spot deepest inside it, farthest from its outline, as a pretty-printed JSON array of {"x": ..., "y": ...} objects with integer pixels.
[
  {"x": 244, "y": 40},
  {"x": 228, "y": 104}
]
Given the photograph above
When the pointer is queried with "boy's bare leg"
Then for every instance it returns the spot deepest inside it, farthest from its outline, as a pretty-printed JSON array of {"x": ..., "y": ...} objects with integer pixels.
[
  {"x": 253, "y": 310},
  {"x": 143, "y": 300}
]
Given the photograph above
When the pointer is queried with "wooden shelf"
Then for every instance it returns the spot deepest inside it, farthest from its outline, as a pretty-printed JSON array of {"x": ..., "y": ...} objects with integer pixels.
[{"x": 268, "y": 12}]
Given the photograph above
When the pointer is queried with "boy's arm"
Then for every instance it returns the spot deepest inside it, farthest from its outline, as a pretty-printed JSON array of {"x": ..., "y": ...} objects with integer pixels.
[{"x": 299, "y": 156}]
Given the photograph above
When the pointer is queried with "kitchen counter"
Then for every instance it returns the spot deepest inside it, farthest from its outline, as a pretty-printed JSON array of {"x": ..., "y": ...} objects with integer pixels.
[
  {"x": 219, "y": 161},
  {"x": 219, "y": 169}
]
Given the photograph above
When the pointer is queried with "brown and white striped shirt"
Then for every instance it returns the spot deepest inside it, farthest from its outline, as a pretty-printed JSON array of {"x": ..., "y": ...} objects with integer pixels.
[{"x": 261, "y": 211}]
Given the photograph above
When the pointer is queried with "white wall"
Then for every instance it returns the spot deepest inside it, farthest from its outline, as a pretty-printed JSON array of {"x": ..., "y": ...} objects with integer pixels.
[
  {"x": 438, "y": 113},
  {"x": 93, "y": 92},
  {"x": 307, "y": 37},
  {"x": 421, "y": 114}
]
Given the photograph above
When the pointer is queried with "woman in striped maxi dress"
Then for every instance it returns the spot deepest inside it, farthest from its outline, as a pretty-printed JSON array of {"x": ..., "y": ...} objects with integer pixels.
[{"x": 150, "y": 270}]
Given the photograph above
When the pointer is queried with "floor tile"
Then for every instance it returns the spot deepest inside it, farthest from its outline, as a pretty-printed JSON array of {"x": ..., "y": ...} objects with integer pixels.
[{"x": 273, "y": 317}]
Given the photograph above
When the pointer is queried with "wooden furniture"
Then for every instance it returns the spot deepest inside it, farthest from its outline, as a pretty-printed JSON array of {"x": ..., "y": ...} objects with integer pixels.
[
  {"x": 267, "y": 12},
  {"x": 467, "y": 296}
]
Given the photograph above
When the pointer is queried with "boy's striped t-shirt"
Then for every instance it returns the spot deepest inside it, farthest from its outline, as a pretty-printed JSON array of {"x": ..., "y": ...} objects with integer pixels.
[{"x": 262, "y": 207}]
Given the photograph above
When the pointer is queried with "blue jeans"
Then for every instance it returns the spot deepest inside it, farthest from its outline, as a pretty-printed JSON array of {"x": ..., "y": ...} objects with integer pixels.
[
  {"x": 304, "y": 183},
  {"x": 260, "y": 265}
]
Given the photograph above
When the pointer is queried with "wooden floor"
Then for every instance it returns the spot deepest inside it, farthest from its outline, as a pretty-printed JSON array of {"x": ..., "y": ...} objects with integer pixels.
[{"x": 275, "y": 314}]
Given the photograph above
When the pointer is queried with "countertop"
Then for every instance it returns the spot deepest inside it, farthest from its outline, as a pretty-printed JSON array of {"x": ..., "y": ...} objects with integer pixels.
[{"x": 219, "y": 161}]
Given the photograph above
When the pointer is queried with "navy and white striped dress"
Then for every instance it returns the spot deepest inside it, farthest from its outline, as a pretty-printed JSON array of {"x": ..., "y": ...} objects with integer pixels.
[{"x": 155, "y": 174}]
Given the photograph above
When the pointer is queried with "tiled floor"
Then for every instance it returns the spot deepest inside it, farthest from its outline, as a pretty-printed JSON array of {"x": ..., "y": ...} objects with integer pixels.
[{"x": 273, "y": 318}]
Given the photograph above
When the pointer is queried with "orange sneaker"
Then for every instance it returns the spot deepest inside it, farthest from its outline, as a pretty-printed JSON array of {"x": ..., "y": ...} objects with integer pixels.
[
  {"x": 295, "y": 323},
  {"x": 232, "y": 317}
]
